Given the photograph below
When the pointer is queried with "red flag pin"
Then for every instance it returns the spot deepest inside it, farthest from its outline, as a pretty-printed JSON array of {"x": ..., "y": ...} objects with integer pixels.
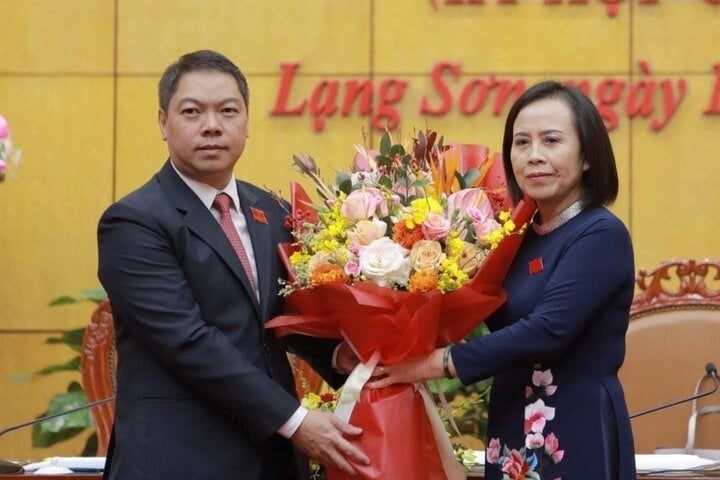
[
  {"x": 535, "y": 266},
  {"x": 258, "y": 215}
]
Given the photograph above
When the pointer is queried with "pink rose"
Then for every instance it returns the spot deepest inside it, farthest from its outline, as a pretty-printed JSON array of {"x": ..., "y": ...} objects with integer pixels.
[
  {"x": 352, "y": 269},
  {"x": 364, "y": 204},
  {"x": 493, "y": 450},
  {"x": 435, "y": 226},
  {"x": 4, "y": 129}
]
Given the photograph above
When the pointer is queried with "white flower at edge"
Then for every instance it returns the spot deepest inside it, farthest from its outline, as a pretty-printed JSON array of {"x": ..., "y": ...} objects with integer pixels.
[{"x": 385, "y": 263}]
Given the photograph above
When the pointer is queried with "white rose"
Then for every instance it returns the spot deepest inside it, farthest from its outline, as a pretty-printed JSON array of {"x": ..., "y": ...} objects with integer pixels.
[{"x": 385, "y": 263}]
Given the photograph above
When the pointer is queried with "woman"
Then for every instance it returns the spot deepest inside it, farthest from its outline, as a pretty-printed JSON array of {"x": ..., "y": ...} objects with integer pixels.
[{"x": 557, "y": 407}]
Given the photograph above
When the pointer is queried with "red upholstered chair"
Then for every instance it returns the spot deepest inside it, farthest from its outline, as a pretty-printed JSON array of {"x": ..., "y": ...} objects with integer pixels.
[
  {"x": 674, "y": 332},
  {"x": 98, "y": 363}
]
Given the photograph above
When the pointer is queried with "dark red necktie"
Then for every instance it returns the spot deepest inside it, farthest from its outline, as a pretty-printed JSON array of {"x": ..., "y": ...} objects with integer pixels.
[{"x": 222, "y": 204}]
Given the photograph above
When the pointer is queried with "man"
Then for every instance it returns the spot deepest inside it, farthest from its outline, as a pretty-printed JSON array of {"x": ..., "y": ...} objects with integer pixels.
[{"x": 203, "y": 390}]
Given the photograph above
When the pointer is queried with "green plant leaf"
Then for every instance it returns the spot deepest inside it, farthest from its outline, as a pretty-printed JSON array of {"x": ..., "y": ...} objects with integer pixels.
[
  {"x": 71, "y": 338},
  {"x": 471, "y": 176},
  {"x": 95, "y": 295},
  {"x": 460, "y": 180},
  {"x": 66, "y": 426},
  {"x": 385, "y": 144},
  {"x": 72, "y": 365},
  {"x": 43, "y": 439},
  {"x": 91, "y": 446},
  {"x": 64, "y": 300},
  {"x": 344, "y": 182}
]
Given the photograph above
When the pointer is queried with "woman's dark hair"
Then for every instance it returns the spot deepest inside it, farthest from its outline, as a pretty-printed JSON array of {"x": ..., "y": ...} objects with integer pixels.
[
  {"x": 201, "y": 60},
  {"x": 600, "y": 180}
]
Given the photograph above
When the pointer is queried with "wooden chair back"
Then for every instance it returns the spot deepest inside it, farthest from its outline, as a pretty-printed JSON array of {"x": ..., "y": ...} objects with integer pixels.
[
  {"x": 674, "y": 332},
  {"x": 97, "y": 370}
]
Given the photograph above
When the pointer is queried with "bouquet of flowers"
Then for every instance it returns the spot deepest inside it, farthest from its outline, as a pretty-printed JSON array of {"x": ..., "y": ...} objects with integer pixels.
[
  {"x": 407, "y": 252},
  {"x": 7, "y": 154}
]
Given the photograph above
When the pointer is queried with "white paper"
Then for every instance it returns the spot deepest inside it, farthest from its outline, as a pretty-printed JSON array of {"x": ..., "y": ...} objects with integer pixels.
[{"x": 76, "y": 464}]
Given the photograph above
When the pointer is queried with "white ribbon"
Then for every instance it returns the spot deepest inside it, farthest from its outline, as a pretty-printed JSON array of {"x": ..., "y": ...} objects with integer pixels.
[
  {"x": 350, "y": 395},
  {"x": 446, "y": 407},
  {"x": 453, "y": 469}
]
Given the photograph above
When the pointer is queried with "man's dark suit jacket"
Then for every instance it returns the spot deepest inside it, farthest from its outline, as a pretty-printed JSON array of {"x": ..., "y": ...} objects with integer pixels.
[{"x": 202, "y": 387}]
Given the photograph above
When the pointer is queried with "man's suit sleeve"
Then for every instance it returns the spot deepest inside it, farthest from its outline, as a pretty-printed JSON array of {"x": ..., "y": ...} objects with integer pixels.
[{"x": 149, "y": 291}]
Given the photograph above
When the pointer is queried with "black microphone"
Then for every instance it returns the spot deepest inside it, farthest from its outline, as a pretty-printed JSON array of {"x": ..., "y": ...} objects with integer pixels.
[
  {"x": 710, "y": 371},
  {"x": 12, "y": 467}
]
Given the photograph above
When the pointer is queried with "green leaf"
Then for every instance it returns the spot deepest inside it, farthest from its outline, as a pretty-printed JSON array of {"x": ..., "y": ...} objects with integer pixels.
[
  {"x": 96, "y": 295},
  {"x": 460, "y": 180},
  {"x": 449, "y": 386},
  {"x": 345, "y": 186},
  {"x": 344, "y": 182},
  {"x": 42, "y": 438},
  {"x": 386, "y": 182},
  {"x": 64, "y": 300},
  {"x": 397, "y": 150},
  {"x": 75, "y": 387},
  {"x": 71, "y": 338},
  {"x": 66, "y": 426},
  {"x": 383, "y": 161},
  {"x": 91, "y": 446},
  {"x": 385, "y": 144},
  {"x": 72, "y": 365},
  {"x": 471, "y": 176}
]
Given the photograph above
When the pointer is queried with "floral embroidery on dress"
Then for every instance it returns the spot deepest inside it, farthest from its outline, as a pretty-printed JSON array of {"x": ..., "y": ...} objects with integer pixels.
[{"x": 539, "y": 448}]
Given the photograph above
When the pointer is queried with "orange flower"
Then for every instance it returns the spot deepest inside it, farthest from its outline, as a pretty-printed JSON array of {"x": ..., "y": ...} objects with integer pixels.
[
  {"x": 405, "y": 236},
  {"x": 423, "y": 280},
  {"x": 328, "y": 273}
]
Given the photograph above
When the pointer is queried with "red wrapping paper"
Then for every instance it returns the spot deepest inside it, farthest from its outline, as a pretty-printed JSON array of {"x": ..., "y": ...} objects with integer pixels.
[
  {"x": 396, "y": 437},
  {"x": 399, "y": 324}
]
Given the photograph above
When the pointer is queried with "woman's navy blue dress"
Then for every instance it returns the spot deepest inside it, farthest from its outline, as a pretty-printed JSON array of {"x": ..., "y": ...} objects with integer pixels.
[{"x": 557, "y": 408}]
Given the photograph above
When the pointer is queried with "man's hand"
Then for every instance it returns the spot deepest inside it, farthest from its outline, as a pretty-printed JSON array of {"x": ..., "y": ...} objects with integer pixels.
[
  {"x": 320, "y": 436},
  {"x": 346, "y": 360}
]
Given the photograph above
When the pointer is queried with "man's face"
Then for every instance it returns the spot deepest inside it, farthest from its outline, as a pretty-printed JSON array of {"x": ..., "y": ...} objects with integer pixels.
[{"x": 206, "y": 126}]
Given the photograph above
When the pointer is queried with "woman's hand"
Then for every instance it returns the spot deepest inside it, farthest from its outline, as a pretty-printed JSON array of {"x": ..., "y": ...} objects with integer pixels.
[{"x": 414, "y": 370}]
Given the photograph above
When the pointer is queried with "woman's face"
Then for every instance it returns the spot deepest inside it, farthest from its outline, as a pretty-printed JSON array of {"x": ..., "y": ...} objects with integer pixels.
[{"x": 545, "y": 156}]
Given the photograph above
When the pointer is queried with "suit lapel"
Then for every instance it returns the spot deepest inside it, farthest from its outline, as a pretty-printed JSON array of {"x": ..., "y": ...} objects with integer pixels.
[
  {"x": 261, "y": 242},
  {"x": 201, "y": 222}
]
